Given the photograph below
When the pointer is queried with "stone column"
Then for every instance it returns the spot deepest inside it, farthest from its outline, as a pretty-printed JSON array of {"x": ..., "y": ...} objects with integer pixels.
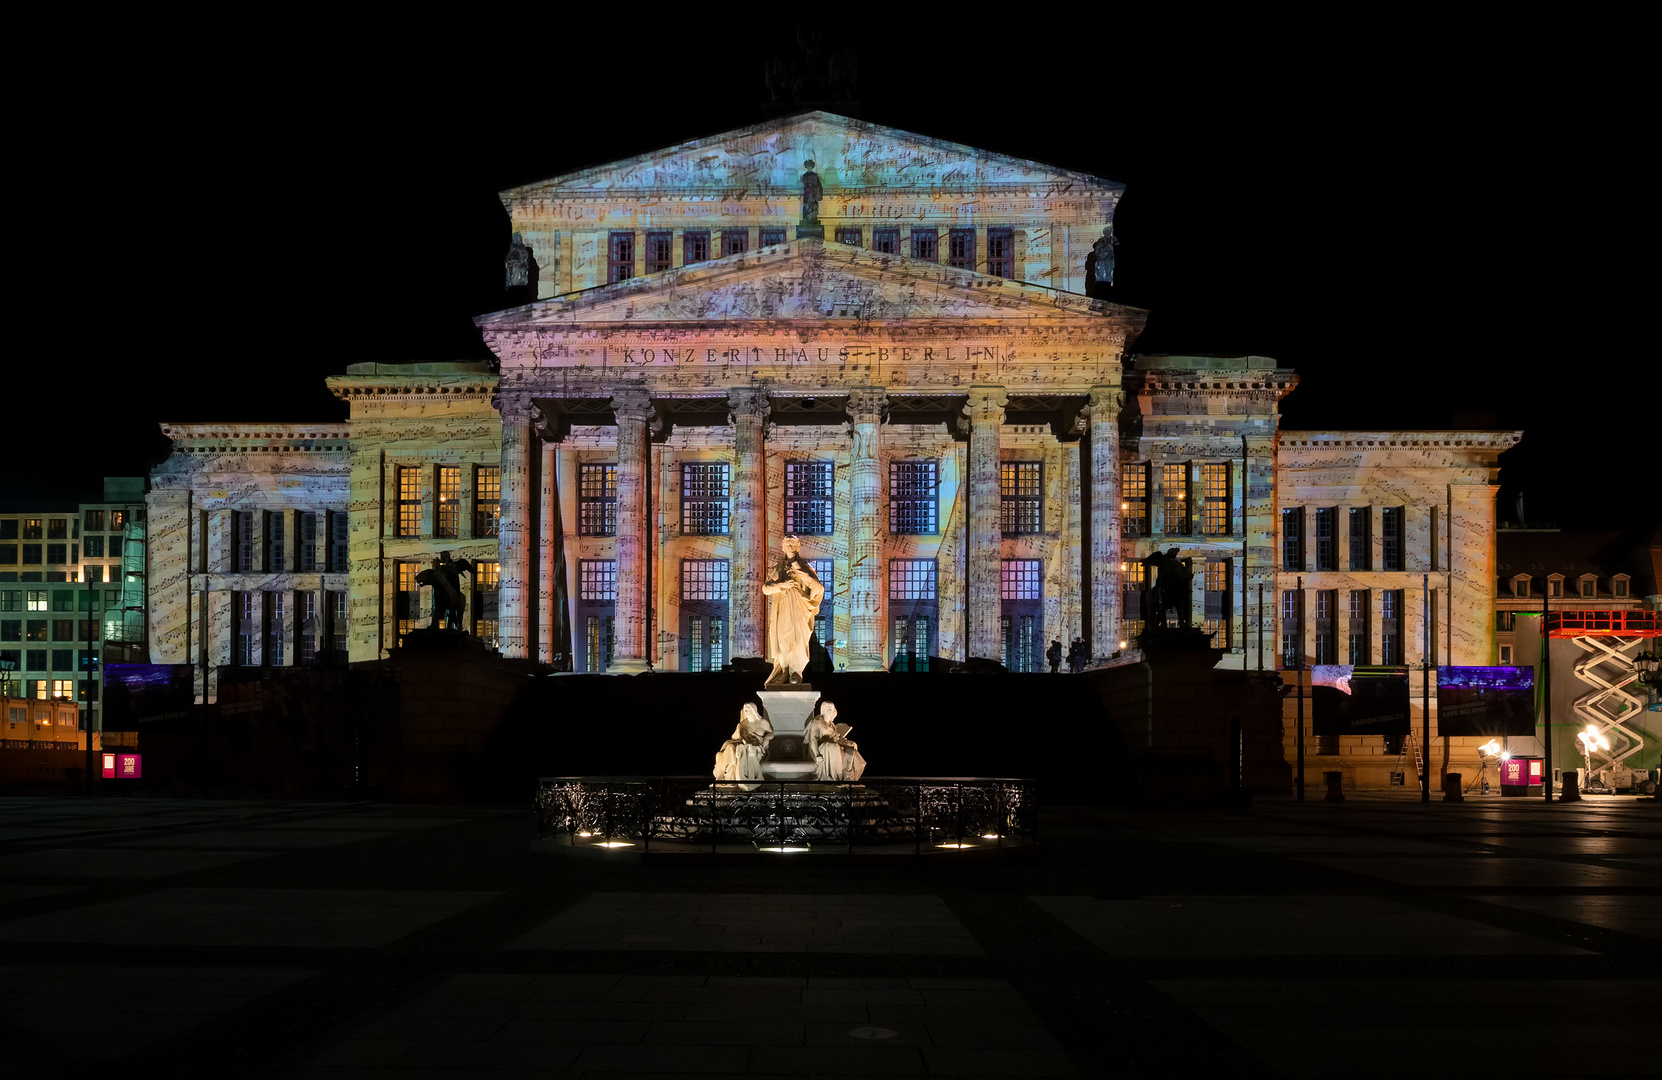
[
  {"x": 548, "y": 511},
  {"x": 866, "y": 595},
  {"x": 633, "y": 409},
  {"x": 1471, "y": 575},
  {"x": 986, "y": 412},
  {"x": 1102, "y": 409},
  {"x": 515, "y": 586},
  {"x": 749, "y": 416}
]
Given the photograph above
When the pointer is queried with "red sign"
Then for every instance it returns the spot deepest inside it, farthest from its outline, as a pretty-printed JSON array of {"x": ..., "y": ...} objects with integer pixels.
[
  {"x": 1535, "y": 771},
  {"x": 127, "y": 766},
  {"x": 109, "y": 766}
]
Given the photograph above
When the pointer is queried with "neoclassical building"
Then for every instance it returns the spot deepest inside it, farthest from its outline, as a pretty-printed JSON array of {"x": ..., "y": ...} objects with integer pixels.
[{"x": 918, "y": 376}]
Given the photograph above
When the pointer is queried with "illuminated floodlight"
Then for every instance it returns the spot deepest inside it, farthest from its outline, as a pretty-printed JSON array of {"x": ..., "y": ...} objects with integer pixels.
[
  {"x": 585, "y": 834},
  {"x": 1122, "y": 644},
  {"x": 1490, "y": 749},
  {"x": 1592, "y": 739},
  {"x": 614, "y": 844},
  {"x": 989, "y": 836},
  {"x": 955, "y": 845},
  {"x": 1506, "y": 755},
  {"x": 785, "y": 850}
]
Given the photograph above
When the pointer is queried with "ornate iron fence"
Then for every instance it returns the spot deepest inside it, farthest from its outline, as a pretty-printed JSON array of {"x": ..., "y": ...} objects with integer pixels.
[{"x": 925, "y": 812}]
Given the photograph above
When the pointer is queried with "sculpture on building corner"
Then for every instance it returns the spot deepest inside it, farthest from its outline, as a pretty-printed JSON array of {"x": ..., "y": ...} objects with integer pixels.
[
  {"x": 796, "y": 592},
  {"x": 812, "y": 193},
  {"x": 1103, "y": 249}
]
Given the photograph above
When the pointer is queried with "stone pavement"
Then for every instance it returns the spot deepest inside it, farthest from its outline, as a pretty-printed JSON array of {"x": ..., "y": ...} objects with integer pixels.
[{"x": 310, "y": 940}]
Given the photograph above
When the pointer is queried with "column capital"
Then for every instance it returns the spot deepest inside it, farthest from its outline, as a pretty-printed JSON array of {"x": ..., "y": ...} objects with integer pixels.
[
  {"x": 868, "y": 404},
  {"x": 514, "y": 407},
  {"x": 748, "y": 403},
  {"x": 986, "y": 405},
  {"x": 1104, "y": 402},
  {"x": 632, "y": 404}
]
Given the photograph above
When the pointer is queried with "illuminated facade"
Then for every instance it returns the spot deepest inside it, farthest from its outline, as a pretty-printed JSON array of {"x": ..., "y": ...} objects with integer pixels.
[{"x": 893, "y": 346}]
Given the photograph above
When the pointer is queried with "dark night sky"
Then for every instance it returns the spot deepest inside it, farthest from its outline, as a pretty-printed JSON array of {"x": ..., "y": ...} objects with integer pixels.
[{"x": 1421, "y": 230}]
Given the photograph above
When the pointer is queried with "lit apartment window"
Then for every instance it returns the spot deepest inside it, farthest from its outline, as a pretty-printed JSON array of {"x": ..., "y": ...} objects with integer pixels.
[
  {"x": 1216, "y": 607},
  {"x": 408, "y": 602},
  {"x": 36, "y": 600},
  {"x": 487, "y": 501},
  {"x": 32, "y": 528},
  {"x": 706, "y": 495},
  {"x": 914, "y": 608},
  {"x": 409, "y": 501},
  {"x": 1001, "y": 252},
  {"x": 1174, "y": 517},
  {"x": 1134, "y": 499},
  {"x": 1021, "y": 497},
  {"x": 1133, "y": 579},
  {"x": 448, "y": 484},
  {"x": 914, "y": 497},
  {"x": 620, "y": 256},
  {"x": 597, "y": 499},
  {"x": 487, "y": 576},
  {"x": 808, "y": 498},
  {"x": 926, "y": 245}
]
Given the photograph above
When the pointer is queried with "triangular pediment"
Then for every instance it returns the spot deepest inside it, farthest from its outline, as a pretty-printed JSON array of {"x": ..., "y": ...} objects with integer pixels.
[
  {"x": 848, "y": 154},
  {"x": 811, "y": 281}
]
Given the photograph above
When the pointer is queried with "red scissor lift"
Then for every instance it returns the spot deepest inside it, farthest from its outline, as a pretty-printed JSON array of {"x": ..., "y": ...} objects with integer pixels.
[{"x": 1608, "y": 641}]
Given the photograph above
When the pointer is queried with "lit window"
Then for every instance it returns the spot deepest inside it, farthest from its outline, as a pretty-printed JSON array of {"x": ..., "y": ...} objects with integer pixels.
[
  {"x": 487, "y": 501},
  {"x": 597, "y": 580},
  {"x": 408, "y": 603},
  {"x": 597, "y": 499},
  {"x": 1214, "y": 482},
  {"x": 1021, "y": 579},
  {"x": 913, "y": 497},
  {"x": 704, "y": 579},
  {"x": 449, "y": 491},
  {"x": 1174, "y": 519},
  {"x": 705, "y": 498},
  {"x": 912, "y": 579},
  {"x": 1021, "y": 497},
  {"x": 1134, "y": 497},
  {"x": 32, "y": 528},
  {"x": 808, "y": 498},
  {"x": 409, "y": 501},
  {"x": 1216, "y": 609}
]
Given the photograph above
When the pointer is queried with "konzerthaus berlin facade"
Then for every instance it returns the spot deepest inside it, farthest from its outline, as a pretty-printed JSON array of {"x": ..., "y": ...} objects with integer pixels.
[{"x": 918, "y": 385}]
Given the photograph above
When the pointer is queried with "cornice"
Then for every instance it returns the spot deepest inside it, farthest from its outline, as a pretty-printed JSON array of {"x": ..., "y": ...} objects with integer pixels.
[
  {"x": 259, "y": 438},
  {"x": 357, "y": 388}
]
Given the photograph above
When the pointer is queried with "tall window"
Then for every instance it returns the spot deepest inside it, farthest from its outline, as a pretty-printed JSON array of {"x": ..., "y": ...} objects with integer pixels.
[
  {"x": 620, "y": 256},
  {"x": 408, "y": 601},
  {"x": 851, "y": 235},
  {"x": 338, "y": 626},
  {"x": 1214, "y": 513},
  {"x": 1361, "y": 538},
  {"x": 597, "y": 499},
  {"x": 1327, "y": 602},
  {"x": 1390, "y": 626},
  {"x": 1134, "y": 499},
  {"x": 306, "y": 627},
  {"x": 1392, "y": 541},
  {"x": 275, "y": 528},
  {"x": 339, "y": 541},
  {"x": 409, "y": 500},
  {"x": 448, "y": 524},
  {"x": 886, "y": 241},
  {"x": 1174, "y": 517},
  {"x": 597, "y": 597},
  {"x": 1135, "y": 578},
  {"x": 1292, "y": 630},
  {"x": 659, "y": 251},
  {"x": 695, "y": 247},
  {"x": 486, "y": 577},
  {"x": 771, "y": 235},
  {"x": 735, "y": 241},
  {"x": 1001, "y": 252},
  {"x": 914, "y": 496},
  {"x": 275, "y": 613},
  {"x": 913, "y": 604},
  {"x": 705, "y": 498},
  {"x": 245, "y": 613},
  {"x": 1292, "y": 538},
  {"x": 1327, "y": 539},
  {"x": 118, "y": 520},
  {"x": 1218, "y": 613},
  {"x": 599, "y": 638},
  {"x": 242, "y": 540},
  {"x": 926, "y": 245},
  {"x": 704, "y": 613},
  {"x": 1021, "y": 592},
  {"x": 597, "y": 580},
  {"x": 808, "y": 498},
  {"x": 1021, "y": 497},
  {"x": 1359, "y": 614},
  {"x": 960, "y": 249},
  {"x": 487, "y": 501},
  {"x": 305, "y": 530},
  {"x": 825, "y": 621}
]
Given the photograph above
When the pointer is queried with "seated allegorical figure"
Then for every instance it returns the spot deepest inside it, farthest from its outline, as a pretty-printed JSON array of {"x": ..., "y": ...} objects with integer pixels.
[
  {"x": 836, "y": 756},
  {"x": 740, "y": 757}
]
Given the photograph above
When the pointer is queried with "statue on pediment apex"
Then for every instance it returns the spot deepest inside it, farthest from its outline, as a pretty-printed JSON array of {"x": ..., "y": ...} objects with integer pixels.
[{"x": 812, "y": 192}]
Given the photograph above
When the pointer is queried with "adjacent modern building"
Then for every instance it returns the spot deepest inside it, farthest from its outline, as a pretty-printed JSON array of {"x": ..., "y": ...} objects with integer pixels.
[{"x": 896, "y": 348}]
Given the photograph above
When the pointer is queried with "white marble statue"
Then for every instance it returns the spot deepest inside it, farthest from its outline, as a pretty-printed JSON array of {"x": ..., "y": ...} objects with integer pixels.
[
  {"x": 740, "y": 757},
  {"x": 836, "y": 756},
  {"x": 796, "y": 592}
]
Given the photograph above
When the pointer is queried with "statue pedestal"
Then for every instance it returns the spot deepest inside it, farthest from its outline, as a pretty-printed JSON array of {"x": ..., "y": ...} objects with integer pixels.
[
  {"x": 788, "y": 712},
  {"x": 810, "y": 232}
]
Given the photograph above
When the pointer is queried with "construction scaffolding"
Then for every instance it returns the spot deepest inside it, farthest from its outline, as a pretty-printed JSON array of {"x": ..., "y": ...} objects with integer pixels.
[{"x": 1606, "y": 698}]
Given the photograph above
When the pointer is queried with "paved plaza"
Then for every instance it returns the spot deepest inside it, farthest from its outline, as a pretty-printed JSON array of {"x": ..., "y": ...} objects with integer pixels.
[{"x": 336, "y": 941}]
